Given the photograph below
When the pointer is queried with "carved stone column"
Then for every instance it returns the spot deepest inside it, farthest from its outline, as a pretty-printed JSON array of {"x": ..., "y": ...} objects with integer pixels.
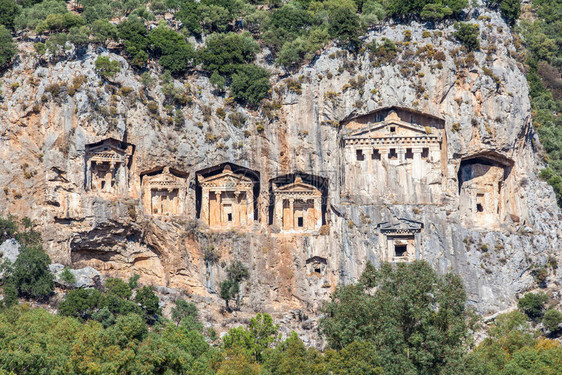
[
  {"x": 291, "y": 213},
  {"x": 417, "y": 165},
  {"x": 317, "y": 213},
  {"x": 219, "y": 204},
  {"x": 205, "y": 206},
  {"x": 250, "y": 205},
  {"x": 236, "y": 208}
]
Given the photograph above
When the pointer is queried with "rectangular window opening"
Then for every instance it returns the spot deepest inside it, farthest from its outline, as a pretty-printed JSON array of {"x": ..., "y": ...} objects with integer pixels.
[
  {"x": 359, "y": 154},
  {"x": 409, "y": 153},
  {"x": 425, "y": 152},
  {"x": 300, "y": 222},
  {"x": 479, "y": 208},
  {"x": 400, "y": 250},
  {"x": 376, "y": 155},
  {"x": 393, "y": 129},
  {"x": 392, "y": 154},
  {"x": 229, "y": 217}
]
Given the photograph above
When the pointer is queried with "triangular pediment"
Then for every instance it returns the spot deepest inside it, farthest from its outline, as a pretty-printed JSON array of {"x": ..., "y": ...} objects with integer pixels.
[
  {"x": 227, "y": 177},
  {"x": 400, "y": 225},
  {"x": 382, "y": 129},
  {"x": 298, "y": 187}
]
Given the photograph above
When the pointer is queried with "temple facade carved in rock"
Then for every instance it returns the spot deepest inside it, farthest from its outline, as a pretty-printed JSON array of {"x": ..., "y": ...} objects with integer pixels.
[
  {"x": 485, "y": 190},
  {"x": 107, "y": 166},
  {"x": 227, "y": 198},
  {"x": 297, "y": 206},
  {"x": 164, "y": 192},
  {"x": 394, "y": 154}
]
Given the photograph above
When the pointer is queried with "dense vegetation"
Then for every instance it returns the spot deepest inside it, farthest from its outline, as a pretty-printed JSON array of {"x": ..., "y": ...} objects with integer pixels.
[
  {"x": 543, "y": 40},
  {"x": 232, "y": 32},
  {"x": 402, "y": 319}
]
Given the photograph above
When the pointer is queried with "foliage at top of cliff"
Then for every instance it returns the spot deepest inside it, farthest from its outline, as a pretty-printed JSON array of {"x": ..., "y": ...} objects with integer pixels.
[{"x": 220, "y": 36}]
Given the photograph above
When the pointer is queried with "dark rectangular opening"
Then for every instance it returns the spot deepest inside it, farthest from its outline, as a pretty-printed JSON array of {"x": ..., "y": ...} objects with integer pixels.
[
  {"x": 409, "y": 153},
  {"x": 400, "y": 250},
  {"x": 229, "y": 217},
  {"x": 393, "y": 129},
  {"x": 425, "y": 152},
  {"x": 300, "y": 222},
  {"x": 317, "y": 269},
  {"x": 359, "y": 154},
  {"x": 376, "y": 155},
  {"x": 392, "y": 154},
  {"x": 479, "y": 208}
]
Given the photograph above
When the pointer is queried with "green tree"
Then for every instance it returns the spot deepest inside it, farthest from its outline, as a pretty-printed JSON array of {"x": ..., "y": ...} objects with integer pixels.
[
  {"x": 532, "y": 304},
  {"x": 435, "y": 12},
  {"x": 176, "y": 55},
  {"x": 226, "y": 53},
  {"x": 250, "y": 84},
  {"x": 468, "y": 34},
  {"x": 134, "y": 34},
  {"x": 8, "y": 227},
  {"x": 7, "y": 51},
  {"x": 254, "y": 340},
  {"x": 9, "y": 9},
  {"x": 31, "y": 17},
  {"x": 184, "y": 310},
  {"x": 230, "y": 288},
  {"x": 189, "y": 15},
  {"x": 343, "y": 23},
  {"x": 510, "y": 9},
  {"x": 106, "y": 67},
  {"x": 416, "y": 318},
  {"x": 31, "y": 275},
  {"x": 81, "y": 303},
  {"x": 552, "y": 319},
  {"x": 149, "y": 303}
]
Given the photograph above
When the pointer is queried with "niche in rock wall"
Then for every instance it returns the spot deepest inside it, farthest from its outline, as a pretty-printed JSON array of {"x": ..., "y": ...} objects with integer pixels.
[
  {"x": 164, "y": 192},
  {"x": 298, "y": 202},
  {"x": 485, "y": 189},
  {"x": 107, "y": 166},
  {"x": 226, "y": 196},
  {"x": 400, "y": 240},
  {"x": 396, "y": 154},
  {"x": 316, "y": 265}
]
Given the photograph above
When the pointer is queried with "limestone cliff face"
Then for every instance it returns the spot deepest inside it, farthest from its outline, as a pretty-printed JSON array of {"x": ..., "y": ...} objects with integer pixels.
[{"x": 474, "y": 205}]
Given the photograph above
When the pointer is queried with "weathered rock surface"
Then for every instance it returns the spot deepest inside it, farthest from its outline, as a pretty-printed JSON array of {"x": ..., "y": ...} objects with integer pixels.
[
  {"x": 43, "y": 139},
  {"x": 87, "y": 277}
]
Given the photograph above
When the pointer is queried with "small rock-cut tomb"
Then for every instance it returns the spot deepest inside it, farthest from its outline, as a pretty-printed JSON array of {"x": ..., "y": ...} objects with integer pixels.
[
  {"x": 164, "y": 192},
  {"x": 484, "y": 189},
  {"x": 298, "y": 206},
  {"x": 107, "y": 164},
  {"x": 401, "y": 240},
  {"x": 227, "y": 198}
]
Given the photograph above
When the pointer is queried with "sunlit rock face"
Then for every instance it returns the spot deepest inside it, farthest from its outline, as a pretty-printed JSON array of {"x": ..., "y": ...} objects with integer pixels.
[{"x": 414, "y": 159}]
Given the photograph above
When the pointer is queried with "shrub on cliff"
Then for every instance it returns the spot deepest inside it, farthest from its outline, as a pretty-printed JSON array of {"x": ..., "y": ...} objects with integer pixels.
[
  {"x": 250, "y": 84},
  {"x": 510, "y": 9},
  {"x": 230, "y": 288},
  {"x": 415, "y": 317},
  {"x": 106, "y": 67},
  {"x": 552, "y": 319},
  {"x": 532, "y": 304},
  {"x": 468, "y": 34}
]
